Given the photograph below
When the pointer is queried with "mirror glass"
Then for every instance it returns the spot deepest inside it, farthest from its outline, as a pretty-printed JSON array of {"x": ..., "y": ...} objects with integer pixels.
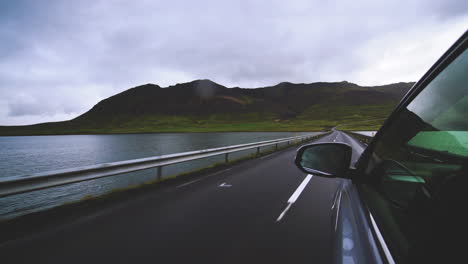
[{"x": 325, "y": 159}]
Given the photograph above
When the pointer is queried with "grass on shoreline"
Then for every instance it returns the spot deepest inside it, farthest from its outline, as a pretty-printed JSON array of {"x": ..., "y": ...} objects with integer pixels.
[
  {"x": 319, "y": 117},
  {"x": 140, "y": 128},
  {"x": 283, "y": 126}
]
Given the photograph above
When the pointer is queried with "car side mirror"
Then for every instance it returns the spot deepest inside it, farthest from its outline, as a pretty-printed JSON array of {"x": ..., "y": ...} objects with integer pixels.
[{"x": 324, "y": 159}]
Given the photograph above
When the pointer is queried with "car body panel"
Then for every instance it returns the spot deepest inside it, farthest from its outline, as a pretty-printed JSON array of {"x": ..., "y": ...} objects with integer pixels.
[
  {"x": 353, "y": 233},
  {"x": 356, "y": 234}
]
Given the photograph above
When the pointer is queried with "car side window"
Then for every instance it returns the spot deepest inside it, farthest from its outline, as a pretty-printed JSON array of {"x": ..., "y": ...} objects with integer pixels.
[{"x": 420, "y": 163}]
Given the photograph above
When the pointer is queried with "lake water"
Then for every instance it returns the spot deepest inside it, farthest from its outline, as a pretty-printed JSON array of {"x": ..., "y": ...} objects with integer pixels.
[{"x": 20, "y": 156}]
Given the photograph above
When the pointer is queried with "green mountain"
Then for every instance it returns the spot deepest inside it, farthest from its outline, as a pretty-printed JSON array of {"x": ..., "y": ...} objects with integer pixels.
[{"x": 203, "y": 105}]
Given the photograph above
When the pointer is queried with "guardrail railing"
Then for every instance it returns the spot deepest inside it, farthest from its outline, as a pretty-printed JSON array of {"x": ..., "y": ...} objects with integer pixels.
[
  {"x": 360, "y": 137},
  {"x": 21, "y": 184}
]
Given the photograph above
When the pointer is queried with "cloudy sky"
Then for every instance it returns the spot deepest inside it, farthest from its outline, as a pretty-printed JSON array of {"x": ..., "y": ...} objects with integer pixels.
[{"x": 59, "y": 58}]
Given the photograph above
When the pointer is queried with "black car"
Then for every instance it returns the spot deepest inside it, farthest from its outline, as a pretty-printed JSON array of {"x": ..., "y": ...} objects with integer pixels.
[{"x": 405, "y": 200}]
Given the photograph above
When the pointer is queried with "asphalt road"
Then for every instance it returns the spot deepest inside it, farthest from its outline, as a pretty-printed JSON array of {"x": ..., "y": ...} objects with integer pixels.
[{"x": 260, "y": 211}]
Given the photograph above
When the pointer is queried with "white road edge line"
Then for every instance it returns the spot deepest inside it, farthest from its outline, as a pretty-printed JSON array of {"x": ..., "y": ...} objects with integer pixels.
[
  {"x": 295, "y": 195},
  {"x": 216, "y": 173},
  {"x": 267, "y": 156},
  {"x": 187, "y": 183}
]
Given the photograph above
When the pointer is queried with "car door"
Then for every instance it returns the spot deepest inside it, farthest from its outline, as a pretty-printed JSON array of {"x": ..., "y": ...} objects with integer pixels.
[{"x": 413, "y": 177}]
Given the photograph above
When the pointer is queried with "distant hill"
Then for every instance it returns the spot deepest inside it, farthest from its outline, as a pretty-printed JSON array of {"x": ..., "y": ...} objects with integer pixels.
[{"x": 203, "y": 105}]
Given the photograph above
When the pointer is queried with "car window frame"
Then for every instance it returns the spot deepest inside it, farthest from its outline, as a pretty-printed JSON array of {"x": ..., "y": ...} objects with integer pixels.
[
  {"x": 365, "y": 164},
  {"x": 451, "y": 54}
]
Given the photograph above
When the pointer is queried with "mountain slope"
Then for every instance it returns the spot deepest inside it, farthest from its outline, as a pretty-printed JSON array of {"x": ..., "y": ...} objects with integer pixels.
[{"x": 203, "y": 105}]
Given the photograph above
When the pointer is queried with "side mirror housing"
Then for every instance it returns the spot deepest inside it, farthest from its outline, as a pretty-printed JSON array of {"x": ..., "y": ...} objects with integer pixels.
[{"x": 324, "y": 159}]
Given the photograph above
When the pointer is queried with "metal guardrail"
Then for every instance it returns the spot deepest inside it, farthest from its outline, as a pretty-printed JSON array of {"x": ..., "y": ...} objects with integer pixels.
[
  {"x": 360, "y": 137},
  {"x": 21, "y": 184}
]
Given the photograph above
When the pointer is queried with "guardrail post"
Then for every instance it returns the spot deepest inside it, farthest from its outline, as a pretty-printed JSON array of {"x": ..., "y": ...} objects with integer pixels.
[
  {"x": 49, "y": 179},
  {"x": 276, "y": 146},
  {"x": 226, "y": 159},
  {"x": 159, "y": 172}
]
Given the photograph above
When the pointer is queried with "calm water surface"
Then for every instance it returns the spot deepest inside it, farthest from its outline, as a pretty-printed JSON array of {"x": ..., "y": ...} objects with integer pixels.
[{"x": 20, "y": 156}]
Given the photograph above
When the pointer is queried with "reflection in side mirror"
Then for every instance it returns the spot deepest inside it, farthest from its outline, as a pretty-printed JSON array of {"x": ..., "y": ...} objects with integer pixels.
[{"x": 324, "y": 159}]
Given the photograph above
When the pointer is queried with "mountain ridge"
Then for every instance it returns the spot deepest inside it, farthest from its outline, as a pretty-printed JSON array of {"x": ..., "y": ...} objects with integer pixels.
[{"x": 203, "y": 106}]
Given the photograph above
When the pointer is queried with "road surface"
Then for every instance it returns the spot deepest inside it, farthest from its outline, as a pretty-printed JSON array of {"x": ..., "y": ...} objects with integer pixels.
[{"x": 261, "y": 211}]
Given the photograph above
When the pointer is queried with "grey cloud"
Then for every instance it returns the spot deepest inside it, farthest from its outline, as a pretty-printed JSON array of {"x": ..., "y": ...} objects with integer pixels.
[
  {"x": 448, "y": 8},
  {"x": 22, "y": 109},
  {"x": 40, "y": 105},
  {"x": 88, "y": 50}
]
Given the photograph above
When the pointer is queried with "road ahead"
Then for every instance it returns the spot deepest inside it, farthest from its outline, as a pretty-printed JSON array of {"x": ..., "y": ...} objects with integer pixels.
[{"x": 261, "y": 211}]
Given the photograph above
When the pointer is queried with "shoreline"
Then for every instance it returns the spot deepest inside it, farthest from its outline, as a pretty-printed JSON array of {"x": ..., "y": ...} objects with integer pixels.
[{"x": 165, "y": 132}]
